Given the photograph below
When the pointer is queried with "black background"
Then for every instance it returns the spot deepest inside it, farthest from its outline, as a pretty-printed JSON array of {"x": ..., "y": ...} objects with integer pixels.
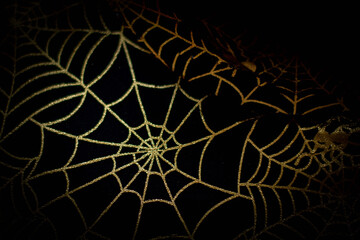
[{"x": 322, "y": 35}]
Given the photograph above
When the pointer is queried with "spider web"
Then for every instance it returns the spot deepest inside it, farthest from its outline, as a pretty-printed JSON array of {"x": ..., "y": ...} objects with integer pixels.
[{"x": 99, "y": 140}]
